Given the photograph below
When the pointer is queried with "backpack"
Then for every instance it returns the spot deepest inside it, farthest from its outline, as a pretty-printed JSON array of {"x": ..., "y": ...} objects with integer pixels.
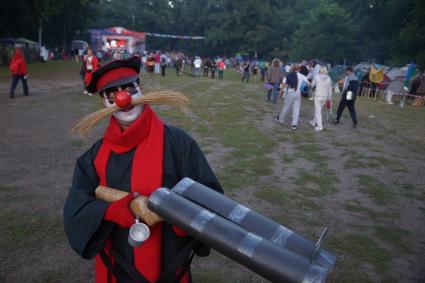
[{"x": 304, "y": 89}]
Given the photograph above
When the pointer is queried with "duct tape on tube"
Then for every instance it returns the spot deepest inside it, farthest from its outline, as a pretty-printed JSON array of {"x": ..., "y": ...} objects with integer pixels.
[
  {"x": 249, "y": 243},
  {"x": 281, "y": 235},
  {"x": 238, "y": 213},
  {"x": 183, "y": 185},
  {"x": 159, "y": 195},
  {"x": 199, "y": 222}
]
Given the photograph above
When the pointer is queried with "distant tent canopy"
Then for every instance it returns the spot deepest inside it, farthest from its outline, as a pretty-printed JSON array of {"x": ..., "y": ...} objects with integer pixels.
[
  {"x": 317, "y": 61},
  {"x": 79, "y": 44},
  {"x": 118, "y": 39},
  {"x": 337, "y": 72},
  {"x": 396, "y": 73},
  {"x": 19, "y": 42}
]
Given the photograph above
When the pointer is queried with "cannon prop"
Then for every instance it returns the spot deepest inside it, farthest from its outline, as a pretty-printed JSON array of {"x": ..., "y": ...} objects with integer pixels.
[{"x": 269, "y": 249}]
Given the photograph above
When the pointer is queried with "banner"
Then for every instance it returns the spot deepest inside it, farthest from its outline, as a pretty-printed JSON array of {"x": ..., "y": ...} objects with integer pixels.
[
  {"x": 175, "y": 36},
  {"x": 411, "y": 71},
  {"x": 376, "y": 75}
]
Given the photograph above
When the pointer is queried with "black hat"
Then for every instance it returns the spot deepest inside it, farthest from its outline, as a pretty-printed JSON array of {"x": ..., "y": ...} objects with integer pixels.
[{"x": 115, "y": 73}]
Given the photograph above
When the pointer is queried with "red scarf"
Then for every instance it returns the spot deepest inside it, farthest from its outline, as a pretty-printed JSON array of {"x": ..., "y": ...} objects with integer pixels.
[{"x": 147, "y": 135}]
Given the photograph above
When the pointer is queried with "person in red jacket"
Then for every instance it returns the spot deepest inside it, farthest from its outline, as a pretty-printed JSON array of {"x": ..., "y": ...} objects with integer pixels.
[
  {"x": 91, "y": 64},
  {"x": 18, "y": 68}
]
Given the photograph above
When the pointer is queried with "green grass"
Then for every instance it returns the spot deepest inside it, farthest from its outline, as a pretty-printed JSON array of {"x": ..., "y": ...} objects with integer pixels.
[
  {"x": 363, "y": 249},
  {"x": 395, "y": 236},
  {"x": 375, "y": 189},
  {"x": 411, "y": 192},
  {"x": 273, "y": 195},
  {"x": 356, "y": 207},
  {"x": 28, "y": 231},
  {"x": 210, "y": 276},
  {"x": 51, "y": 276}
]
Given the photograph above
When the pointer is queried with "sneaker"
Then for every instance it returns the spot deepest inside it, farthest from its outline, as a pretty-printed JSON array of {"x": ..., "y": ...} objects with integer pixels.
[
  {"x": 354, "y": 126},
  {"x": 312, "y": 123},
  {"x": 85, "y": 92},
  {"x": 276, "y": 118},
  {"x": 311, "y": 98},
  {"x": 336, "y": 121},
  {"x": 293, "y": 127},
  {"x": 317, "y": 129}
]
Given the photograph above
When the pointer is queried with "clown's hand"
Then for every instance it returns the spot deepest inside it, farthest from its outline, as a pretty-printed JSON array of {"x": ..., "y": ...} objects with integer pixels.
[
  {"x": 119, "y": 211},
  {"x": 138, "y": 205}
]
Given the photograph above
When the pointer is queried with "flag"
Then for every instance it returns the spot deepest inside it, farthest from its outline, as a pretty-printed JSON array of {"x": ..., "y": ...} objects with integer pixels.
[
  {"x": 411, "y": 71},
  {"x": 376, "y": 75}
]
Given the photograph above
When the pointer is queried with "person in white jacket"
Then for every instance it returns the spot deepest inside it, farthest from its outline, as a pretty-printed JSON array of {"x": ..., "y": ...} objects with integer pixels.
[{"x": 323, "y": 85}]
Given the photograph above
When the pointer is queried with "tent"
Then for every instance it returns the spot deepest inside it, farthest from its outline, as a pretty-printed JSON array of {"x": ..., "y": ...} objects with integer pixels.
[
  {"x": 118, "y": 39},
  {"x": 362, "y": 68},
  {"x": 395, "y": 73},
  {"x": 337, "y": 72},
  {"x": 318, "y": 61},
  {"x": 395, "y": 85}
]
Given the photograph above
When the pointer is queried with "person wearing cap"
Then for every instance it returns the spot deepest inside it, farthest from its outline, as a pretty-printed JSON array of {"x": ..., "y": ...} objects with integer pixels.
[{"x": 138, "y": 153}]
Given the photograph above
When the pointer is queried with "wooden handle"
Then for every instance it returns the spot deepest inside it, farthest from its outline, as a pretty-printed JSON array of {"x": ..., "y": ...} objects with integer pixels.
[{"x": 139, "y": 206}]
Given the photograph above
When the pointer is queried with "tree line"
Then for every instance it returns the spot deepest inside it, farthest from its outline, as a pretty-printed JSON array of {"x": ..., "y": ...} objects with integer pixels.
[{"x": 384, "y": 31}]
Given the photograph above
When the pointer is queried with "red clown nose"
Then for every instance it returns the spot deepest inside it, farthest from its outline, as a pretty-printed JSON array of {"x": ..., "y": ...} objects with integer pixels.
[{"x": 123, "y": 99}]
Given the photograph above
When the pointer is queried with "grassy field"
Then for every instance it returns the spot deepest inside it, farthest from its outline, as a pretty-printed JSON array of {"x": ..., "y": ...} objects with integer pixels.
[{"x": 365, "y": 184}]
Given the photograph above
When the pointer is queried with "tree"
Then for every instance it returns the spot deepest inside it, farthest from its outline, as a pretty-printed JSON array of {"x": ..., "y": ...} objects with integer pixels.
[{"x": 326, "y": 33}]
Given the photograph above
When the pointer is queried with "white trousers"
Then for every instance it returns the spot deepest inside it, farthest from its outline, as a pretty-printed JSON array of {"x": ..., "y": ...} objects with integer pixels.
[
  {"x": 292, "y": 99},
  {"x": 319, "y": 102}
]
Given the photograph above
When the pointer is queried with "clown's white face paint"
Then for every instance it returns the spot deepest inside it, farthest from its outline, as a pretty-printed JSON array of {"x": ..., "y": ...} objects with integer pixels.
[{"x": 127, "y": 117}]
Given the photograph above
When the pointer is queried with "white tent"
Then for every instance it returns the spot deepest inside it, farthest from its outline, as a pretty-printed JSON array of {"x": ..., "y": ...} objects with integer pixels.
[
  {"x": 395, "y": 85},
  {"x": 395, "y": 73}
]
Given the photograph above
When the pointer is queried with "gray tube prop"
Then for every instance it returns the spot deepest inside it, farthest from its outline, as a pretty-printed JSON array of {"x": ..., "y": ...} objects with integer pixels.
[
  {"x": 253, "y": 222},
  {"x": 258, "y": 254}
]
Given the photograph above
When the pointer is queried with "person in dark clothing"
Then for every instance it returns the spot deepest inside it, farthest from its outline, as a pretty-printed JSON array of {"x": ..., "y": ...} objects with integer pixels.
[
  {"x": 348, "y": 97},
  {"x": 304, "y": 69},
  {"x": 213, "y": 68},
  {"x": 18, "y": 68},
  {"x": 246, "y": 70},
  {"x": 163, "y": 64},
  {"x": 207, "y": 66},
  {"x": 138, "y": 154}
]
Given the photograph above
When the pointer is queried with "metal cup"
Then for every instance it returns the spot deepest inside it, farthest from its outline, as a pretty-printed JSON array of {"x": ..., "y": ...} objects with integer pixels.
[{"x": 139, "y": 232}]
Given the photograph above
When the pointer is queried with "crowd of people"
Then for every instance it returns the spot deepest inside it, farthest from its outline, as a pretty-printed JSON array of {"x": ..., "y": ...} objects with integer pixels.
[
  {"x": 289, "y": 81},
  {"x": 294, "y": 81}
]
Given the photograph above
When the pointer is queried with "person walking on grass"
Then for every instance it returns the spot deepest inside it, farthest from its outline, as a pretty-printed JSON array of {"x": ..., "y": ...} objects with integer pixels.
[
  {"x": 294, "y": 80},
  {"x": 348, "y": 97},
  {"x": 221, "y": 68},
  {"x": 90, "y": 64},
  {"x": 197, "y": 63},
  {"x": 255, "y": 70},
  {"x": 18, "y": 68},
  {"x": 246, "y": 69},
  {"x": 274, "y": 77},
  {"x": 323, "y": 85}
]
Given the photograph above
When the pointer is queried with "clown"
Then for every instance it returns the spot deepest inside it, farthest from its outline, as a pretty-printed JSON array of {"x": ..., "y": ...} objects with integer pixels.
[{"x": 137, "y": 154}]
